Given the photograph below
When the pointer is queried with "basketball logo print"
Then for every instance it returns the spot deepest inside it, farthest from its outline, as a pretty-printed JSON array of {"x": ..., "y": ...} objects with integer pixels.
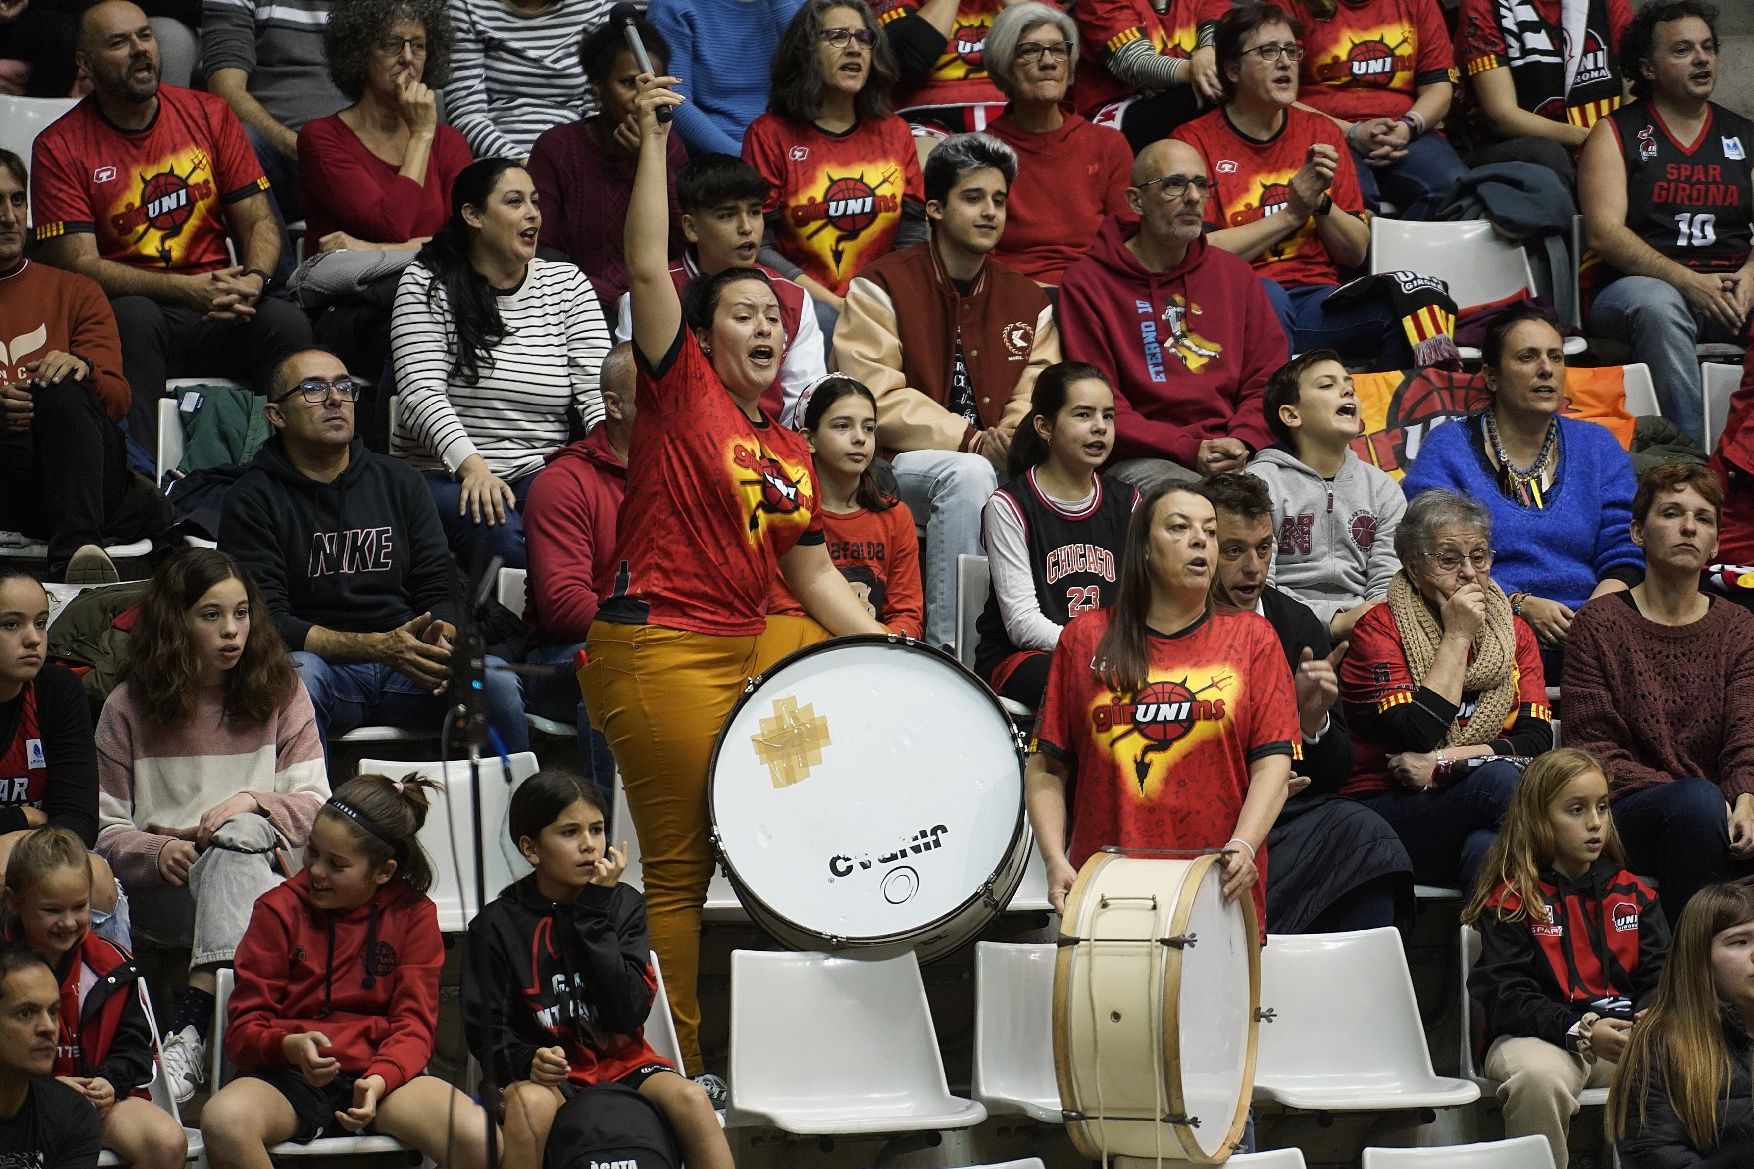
[
  {"x": 380, "y": 960},
  {"x": 1161, "y": 714},
  {"x": 852, "y": 205},
  {"x": 968, "y": 43},
  {"x": 171, "y": 200},
  {"x": 769, "y": 487},
  {"x": 166, "y": 198},
  {"x": 1363, "y": 529},
  {"x": 1372, "y": 63},
  {"x": 1275, "y": 197}
]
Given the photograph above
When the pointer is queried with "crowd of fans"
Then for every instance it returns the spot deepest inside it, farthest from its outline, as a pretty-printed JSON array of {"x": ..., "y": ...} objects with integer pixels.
[{"x": 1081, "y": 275}]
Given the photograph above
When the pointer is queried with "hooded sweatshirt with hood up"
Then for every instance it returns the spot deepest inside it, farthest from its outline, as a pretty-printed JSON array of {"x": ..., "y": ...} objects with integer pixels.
[
  {"x": 569, "y": 535},
  {"x": 363, "y": 554},
  {"x": 1336, "y": 536},
  {"x": 1187, "y": 350},
  {"x": 367, "y": 978}
]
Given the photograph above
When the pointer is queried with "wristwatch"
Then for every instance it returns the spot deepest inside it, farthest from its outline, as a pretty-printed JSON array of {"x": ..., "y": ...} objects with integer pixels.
[
  {"x": 258, "y": 272},
  {"x": 1326, "y": 205}
]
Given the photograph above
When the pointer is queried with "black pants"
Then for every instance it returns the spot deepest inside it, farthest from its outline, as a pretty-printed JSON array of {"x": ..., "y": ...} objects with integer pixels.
[
  {"x": 164, "y": 341},
  {"x": 44, "y": 35},
  {"x": 65, "y": 478}
]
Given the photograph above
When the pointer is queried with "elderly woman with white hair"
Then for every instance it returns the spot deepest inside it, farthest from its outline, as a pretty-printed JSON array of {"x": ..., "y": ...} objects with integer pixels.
[
  {"x": 1444, "y": 693},
  {"x": 1071, "y": 173}
]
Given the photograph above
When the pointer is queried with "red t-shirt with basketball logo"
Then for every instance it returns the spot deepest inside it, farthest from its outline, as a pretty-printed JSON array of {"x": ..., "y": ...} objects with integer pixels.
[
  {"x": 959, "y": 76},
  {"x": 713, "y": 501},
  {"x": 1369, "y": 59},
  {"x": 1168, "y": 765},
  {"x": 838, "y": 196},
  {"x": 155, "y": 198},
  {"x": 1252, "y": 180},
  {"x": 1107, "y": 26}
]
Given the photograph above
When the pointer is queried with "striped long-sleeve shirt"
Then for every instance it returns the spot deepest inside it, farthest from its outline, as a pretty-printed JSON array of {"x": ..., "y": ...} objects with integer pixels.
[
  {"x": 514, "y": 414},
  {"x": 279, "y": 43},
  {"x": 514, "y": 76}
]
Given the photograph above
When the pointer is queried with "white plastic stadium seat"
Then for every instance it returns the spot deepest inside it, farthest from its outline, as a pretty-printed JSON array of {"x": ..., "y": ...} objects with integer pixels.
[
  {"x": 157, "y": 1089},
  {"x": 721, "y": 898},
  {"x": 1721, "y": 381},
  {"x": 1470, "y": 954},
  {"x": 1271, "y": 1159},
  {"x": 220, "y": 1074},
  {"x": 660, "y": 1027},
  {"x": 23, "y": 118},
  {"x": 1520, "y": 1153},
  {"x": 1347, "y": 1035},
  {"x": 449, "y": 833},
  {"x": 1013, "y": 1030},
  {"x": 973, "y": 581},
  {"x": 1478, "y": 265},
  {"x": 509, "y": 590},
  {"x": 858, "y": 1054}
]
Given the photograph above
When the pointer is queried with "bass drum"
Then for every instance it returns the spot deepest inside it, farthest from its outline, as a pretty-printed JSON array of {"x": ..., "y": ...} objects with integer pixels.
[
  {"x": 1156, "y": 987},
  {"x": 867, "y": 795}
]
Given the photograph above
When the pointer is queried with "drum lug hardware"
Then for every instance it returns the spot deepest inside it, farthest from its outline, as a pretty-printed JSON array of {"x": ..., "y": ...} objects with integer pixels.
[
  {"x": 1183, "y": 942},
  {"x": 1266, "y": 1014},
  {"x": 1184, "y": 1121}
]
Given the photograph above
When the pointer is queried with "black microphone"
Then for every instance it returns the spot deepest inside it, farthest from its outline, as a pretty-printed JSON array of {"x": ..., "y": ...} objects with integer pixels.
[{"x": 626, "y": 17}]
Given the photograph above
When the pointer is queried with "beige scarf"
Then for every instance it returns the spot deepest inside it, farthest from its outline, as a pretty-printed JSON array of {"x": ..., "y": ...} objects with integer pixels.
[{"x": 1490, "y": 675}]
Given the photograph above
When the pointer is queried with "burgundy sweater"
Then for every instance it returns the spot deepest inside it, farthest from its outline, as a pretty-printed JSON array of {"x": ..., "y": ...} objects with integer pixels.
[{"x": 1662, "y": 702}]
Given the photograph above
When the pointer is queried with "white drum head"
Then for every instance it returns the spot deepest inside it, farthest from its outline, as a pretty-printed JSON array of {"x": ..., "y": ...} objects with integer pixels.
[
  {"x": 1216, "y": 1013},
  {"x": 865, "y": 790}
]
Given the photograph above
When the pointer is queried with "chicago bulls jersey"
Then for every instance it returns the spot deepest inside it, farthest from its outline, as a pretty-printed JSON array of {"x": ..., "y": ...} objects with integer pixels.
[
  {"x": 24, "y": 768},
  {"x": 1369, "y": 58},
  {"x": 154, "y": 198},
  {"x": 838, "y": 197},
  {"x": 1074, "y": 552},
  {"x": 1252, "y": 180},
  {"x": 713, "y": 501},
  {"x": 1167, "y": 766},
  {"x": 1691, "y": 203}
]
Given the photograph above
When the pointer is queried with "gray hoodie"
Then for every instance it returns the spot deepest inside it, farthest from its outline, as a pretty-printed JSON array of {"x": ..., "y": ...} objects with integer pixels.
[{"x": 1336, "y": 539}]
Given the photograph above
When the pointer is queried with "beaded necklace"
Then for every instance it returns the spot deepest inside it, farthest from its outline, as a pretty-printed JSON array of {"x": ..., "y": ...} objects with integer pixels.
[{"x": 1524, "y": 485}]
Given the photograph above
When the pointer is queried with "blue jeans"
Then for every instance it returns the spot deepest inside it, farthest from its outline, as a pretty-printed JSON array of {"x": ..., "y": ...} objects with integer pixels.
[
  {"x": 356, "y": 694},
  {"x": 505, "y": 541},
  {"x": 1362, "y": 332},
  {"x": 1418, "y": 184},
  {"x": 1448, "y": 830},
  {"x": 282, "y": 175},
  {"x": 1663, "y": 330},
  {"x": 1678, "y": 833},
  {"x": 556, "y": 696},
  {"x": 946, "y": 490}
]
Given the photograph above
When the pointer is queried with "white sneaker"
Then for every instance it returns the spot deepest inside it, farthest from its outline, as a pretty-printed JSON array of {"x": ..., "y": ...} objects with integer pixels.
[{"x": 184, "y": 1056}]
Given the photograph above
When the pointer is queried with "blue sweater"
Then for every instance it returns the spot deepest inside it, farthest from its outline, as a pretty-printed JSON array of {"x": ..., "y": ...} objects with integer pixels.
[
  {"x": 722, "y": 51},
  {"x": 1564, "y": 550}
]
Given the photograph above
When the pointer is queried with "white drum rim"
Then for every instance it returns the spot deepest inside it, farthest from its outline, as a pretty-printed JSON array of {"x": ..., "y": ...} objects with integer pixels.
[{"x": 775, "y": 922}]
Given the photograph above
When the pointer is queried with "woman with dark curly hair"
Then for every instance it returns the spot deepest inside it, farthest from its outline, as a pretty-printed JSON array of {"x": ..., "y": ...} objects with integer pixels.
[
  {"x": 208, "y": 765},
  {"x": 846, "y": 182},
  {"x": 378, "y": 174}
]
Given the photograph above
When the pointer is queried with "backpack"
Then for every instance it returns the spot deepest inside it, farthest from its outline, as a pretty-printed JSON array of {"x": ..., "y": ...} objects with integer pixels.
[{"x": 610, "y": 1126}]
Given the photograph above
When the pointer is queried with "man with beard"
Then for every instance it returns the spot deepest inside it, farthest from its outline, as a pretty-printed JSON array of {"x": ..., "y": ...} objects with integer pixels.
[
  {"x": 63, "y": 469},
  {"x": 43, "y": 1122},
  {"x": 1665, "y": 186},
  {"x": 136, "y": 188}
]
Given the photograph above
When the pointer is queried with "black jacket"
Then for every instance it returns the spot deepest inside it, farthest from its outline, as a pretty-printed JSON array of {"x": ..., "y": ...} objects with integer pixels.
[
  {"x": 363, "y": 554},
  {"x": 1606, "y": 939},
  {"x": 539, "y": 973},
  {"x": 1661, "y": 1141}
]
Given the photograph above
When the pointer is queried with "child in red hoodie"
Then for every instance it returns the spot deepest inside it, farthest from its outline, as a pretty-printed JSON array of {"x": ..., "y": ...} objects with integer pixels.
[
  {"x": 105, "y": 1049},
  {"x": 331, "y": 1021}
]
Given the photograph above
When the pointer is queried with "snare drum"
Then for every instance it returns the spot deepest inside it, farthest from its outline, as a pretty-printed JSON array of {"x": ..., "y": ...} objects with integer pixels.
[
  {"x": 1155, "y": 993},
  {"x": 867, "y": 794}
]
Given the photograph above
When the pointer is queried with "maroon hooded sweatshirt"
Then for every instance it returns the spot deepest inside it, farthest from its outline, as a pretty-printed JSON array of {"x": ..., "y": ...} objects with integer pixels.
[
  {"x": 1188, "y": 351},
  {"x": 569, "y": 537}
]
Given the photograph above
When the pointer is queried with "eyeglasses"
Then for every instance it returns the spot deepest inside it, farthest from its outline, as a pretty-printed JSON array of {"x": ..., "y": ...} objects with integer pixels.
[
  {"x": 1291, "y": 51},
  {"x": 1028, "y": 52},
  {"x": 837, "y": 38},
  {"x": 1175, "y": 186},
  {"x": 393, "y": 46},
  {"x": 316, "y": 391},
  {"x": 1451, "y": 562}
]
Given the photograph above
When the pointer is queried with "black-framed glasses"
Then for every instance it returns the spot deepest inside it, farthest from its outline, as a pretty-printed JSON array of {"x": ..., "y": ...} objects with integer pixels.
[
  {"x": 1451, "y": 562},
  {"x": 837, "y": 38},
  {"x": 393, "y": 46},
  {"x": 315, "y": 390},
  {"x": 1175, "y": 186},
  {"x": 1029, "y": 52},
  {"x": 1290, "y": 50}
]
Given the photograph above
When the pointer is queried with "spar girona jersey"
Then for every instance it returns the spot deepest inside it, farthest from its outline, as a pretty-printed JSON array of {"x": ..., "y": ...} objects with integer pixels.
[
  {"x": 1692, "y": 204},
  {"x": 1074, "y": 554},
  {"x": 24, "y": 768},
  {"x": 1105, "y": 27},
  {"x": 959, "y": 75},
  {"x": 155, "y": 198},
  {"x": 1167, "y": 766},
  {"x": 1528, "y": 37},
  {"x": 1370, "y": 57},
  {"x": 1252, "y": 180},
  {"x": 713, "y": 501},
  {"x": 838, "y": 197}
]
